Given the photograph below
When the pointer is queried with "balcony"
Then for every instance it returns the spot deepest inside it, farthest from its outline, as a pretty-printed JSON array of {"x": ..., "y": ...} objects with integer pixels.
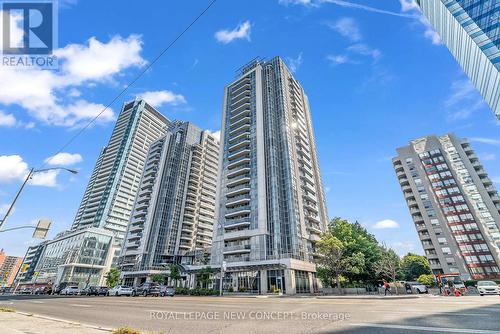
[
  {"x": 238, "y": 211},
  {"x": 236, "y": 114},
  {"x": 237, "y": 249},
  {"x": 238, "y": 200},
  {"x": 233, "y": 224},
  {"x": 238, "y": 162},
  {"x": 245, "y": 141},
  {"x": 243, "y": 178},
  {"x": 242, "y": 152}
]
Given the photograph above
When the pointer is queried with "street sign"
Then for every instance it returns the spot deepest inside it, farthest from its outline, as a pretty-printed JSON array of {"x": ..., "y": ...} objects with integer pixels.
[
  {"x": 42, "y": 228},
  {"x": 224, "y": 265}
]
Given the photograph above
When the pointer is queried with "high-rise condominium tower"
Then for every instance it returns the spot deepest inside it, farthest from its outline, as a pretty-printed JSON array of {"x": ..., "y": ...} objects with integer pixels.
[
  {"x": 174, "y": 209},
  {"x": 270, "y": 207},
  {"x": 470, "y": 29},
  {"x": 454, "y": 205},
  {"x": 111, "y": 191}
]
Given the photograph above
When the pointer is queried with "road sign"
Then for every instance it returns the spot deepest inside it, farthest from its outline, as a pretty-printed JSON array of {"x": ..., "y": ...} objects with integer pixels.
[{"x": 42, "y": 228}]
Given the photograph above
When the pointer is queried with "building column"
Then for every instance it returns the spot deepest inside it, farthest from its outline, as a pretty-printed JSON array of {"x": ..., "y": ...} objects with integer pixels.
[
  {"x": 311, "y": 285},
  {"x": 290, "y": 281},
  {"x": 263, "y": 282}
]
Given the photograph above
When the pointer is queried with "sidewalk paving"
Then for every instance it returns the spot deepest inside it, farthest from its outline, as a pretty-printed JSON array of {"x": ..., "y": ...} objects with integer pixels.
[{"x": 24, "y": 323}]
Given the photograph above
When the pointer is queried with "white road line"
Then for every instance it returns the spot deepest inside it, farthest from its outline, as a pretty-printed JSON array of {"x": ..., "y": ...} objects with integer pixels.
[
  {"x": 430, "y": 329},
  {"x": 80, "y": 305},
  {"x": 37, "y": 302}
]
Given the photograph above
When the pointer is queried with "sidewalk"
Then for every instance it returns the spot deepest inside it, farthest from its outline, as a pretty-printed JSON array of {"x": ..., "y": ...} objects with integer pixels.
[
  {"x": 21, "y": 323},
  {"x": 391, "y": 297}
]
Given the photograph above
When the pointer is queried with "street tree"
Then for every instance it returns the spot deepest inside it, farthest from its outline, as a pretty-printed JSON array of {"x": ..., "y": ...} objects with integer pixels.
[
  {"x": 175, "y": 273},
  {"x": 335, "y": 259},
  {"x": 158, "y": 278},
  {"x": 388, "y": 265},
  {"x": 413, "y": 265},
  {"x": 113, "y": 277}
]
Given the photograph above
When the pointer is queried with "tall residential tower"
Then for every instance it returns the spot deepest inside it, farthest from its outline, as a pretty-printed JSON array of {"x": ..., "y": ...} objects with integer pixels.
[
  {"x": 270, "y": 207},
  {"x": 454, "y": 205},
  {"x": 471, "y": 30},
  {"x": 112, "y": 188},
  {"x": 174, "y": 210}
]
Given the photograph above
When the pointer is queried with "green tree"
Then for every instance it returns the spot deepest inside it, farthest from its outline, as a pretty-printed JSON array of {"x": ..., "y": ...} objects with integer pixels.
[
  {"x": 357, "y": 242},
  {"x": 413, "y": 265},
  {"x": 204, "y": 276},
  {"x": 336, "y": 258},
  {"x": 175, "y": 273},
  {"x": 388, "y": 265},
  {"x": 427, "y": 280},
  {"x": 113, "y": 277},
  {"x": 158, "y": 278}
]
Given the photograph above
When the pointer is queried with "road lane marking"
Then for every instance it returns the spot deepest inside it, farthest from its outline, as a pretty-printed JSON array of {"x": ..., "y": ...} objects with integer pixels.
[
  {"x": 429, "y": 329},
  {"x": 37, "y": 302},
  {"x": 80, "y": 305}
]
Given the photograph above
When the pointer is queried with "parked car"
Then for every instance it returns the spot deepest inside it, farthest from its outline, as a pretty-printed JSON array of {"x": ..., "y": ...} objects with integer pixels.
[
  {"x": 70, "y": 290},
  {"x": 5, "y": 290},
  {"x": 167, "y": 291},
  {"x": 416, "y": 287},
  {"x": 121, "y": 290},
  {"x": 26, "y": 291},
  {"x": 103, "y": 291},
  {"x": 90, "y": 291},
  {"x": 487, "y": 288},
  {"x": 147, "y": 289}
]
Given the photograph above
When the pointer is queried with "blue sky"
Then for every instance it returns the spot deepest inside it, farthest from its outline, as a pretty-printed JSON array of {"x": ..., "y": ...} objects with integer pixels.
[{"x": 375, "y": 73}]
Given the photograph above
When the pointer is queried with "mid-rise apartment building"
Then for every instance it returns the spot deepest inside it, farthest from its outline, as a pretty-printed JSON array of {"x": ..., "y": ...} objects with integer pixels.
[
  {"x": 270, "y": 208},
  {"x": 454, "y": 205},
  {"x": 174, "y": 209},
  {"x": 30, "y": 261},
  {"x": 9, "y": 266},
  {"x": 470, "y": 29}
]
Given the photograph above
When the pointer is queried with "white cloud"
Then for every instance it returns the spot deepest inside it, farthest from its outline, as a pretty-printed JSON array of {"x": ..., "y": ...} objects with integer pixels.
[
  {"x": 489, "y": 141},
  {"x": 242, "y": 31},
  {"x": 365, "y": 50},
  {"x": 295, "y": 2},
  {"x": 348, "y": 28},
  {"x": 161, "y": 97},
  {"x": 14, "y": 169},
  {"x": 386, "y": 224},
  {"x": 98, "y": 61},
  {"x": 338, "y": 59},
  {"x": 64, "y": 159},
  {"x": 408, "y": 5},
  {"x": 295, "y": 63},
  {"x": 348, "y": 4},
  {"x": 53, "y": 96},
  {"x": 463, "y": 101},
  {"x": 496, "y": 179},
  {"x": 7, "y": 120}
]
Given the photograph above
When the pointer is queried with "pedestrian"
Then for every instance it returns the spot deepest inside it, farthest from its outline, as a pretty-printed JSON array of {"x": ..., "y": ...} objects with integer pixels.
[{"x": 387, "y": 288}]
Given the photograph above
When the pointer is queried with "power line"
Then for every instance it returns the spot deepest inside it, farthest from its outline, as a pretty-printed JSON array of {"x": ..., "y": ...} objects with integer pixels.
[{"x": 146, "y": 68}]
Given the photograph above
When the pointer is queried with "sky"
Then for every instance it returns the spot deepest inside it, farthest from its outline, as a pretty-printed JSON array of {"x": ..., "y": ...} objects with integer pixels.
[{"x": 375, "y": 72}]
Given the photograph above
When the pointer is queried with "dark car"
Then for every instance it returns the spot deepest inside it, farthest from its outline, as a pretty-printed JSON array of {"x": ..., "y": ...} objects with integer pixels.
[
  {"x": 147, "y": 289},
  {"x": 5, "y": 290},
  {"x": 167, "y": 291},
  {"x": 103, "y": 291},
  {"x": 91, "y": 291}
]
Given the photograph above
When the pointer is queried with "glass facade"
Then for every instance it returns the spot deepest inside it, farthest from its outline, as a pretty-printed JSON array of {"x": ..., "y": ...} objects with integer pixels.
[
  {"x": 471, "y": 31},
  {"x": 76, "y": 257}
]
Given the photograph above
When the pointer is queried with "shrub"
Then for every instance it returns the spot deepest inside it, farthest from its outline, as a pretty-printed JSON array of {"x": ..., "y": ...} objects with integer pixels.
[
  {"x": 242, "y": 289},
  {"x": 231, "y": 289},
  {"x": 427, "y": 280},
  {"x": 6, "y": 309},
  {"x": 126, "y": 330}
]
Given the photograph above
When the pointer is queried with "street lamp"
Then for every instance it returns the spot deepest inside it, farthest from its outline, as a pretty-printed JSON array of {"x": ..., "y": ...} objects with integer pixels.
[{"x": 28, "y": 177}]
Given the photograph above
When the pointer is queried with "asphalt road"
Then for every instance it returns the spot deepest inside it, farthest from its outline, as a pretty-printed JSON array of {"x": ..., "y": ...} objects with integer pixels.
[{"x": 289, "y": 315}]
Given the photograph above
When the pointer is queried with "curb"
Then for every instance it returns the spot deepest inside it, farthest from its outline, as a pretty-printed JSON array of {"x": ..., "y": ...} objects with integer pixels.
[
  {"x": 105, "y": 329},
  {"x": 368, "y": 297}
]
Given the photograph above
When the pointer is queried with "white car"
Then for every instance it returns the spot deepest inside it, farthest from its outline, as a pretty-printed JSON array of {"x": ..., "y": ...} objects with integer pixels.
[
  {"x": 120, "y": 290},
  {"x": 488, "y": 288},
  {"x": 70, "y": 290},
  {"x": 416, "y": 287}
]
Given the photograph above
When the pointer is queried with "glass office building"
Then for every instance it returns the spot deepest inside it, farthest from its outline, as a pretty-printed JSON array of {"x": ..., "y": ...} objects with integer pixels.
[
  {"x": 78, "y": 257},
  {"x": 471, "y": 31},
  {"x": 270, "y": 205}
]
